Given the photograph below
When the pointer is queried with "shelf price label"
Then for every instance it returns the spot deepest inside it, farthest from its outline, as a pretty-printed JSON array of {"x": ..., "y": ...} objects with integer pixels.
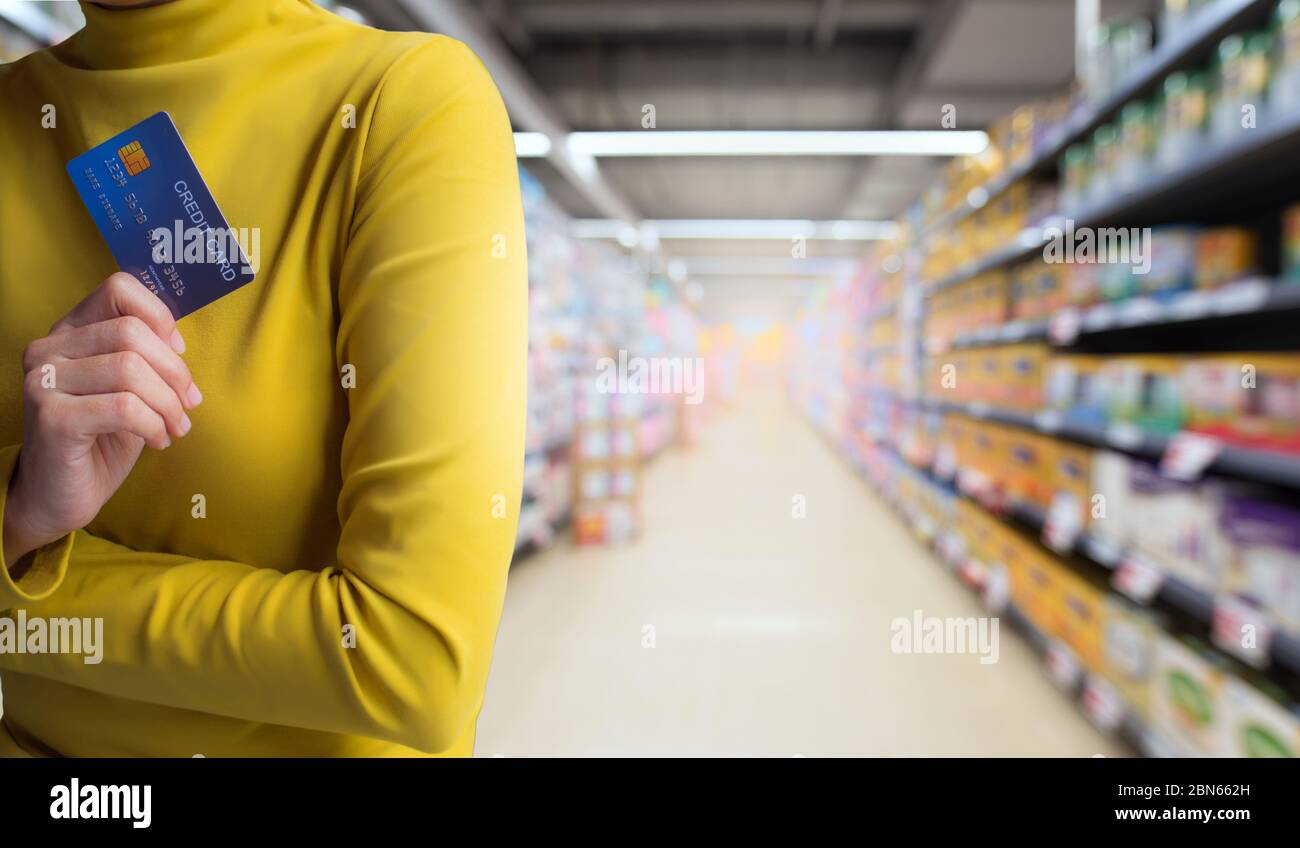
[
  {"x": 1102, "y": 704},
  {"x": 1188, "y": 455},
  {"x": 1063, "y": 666},
  {"x": 1242, "y": 630},
  {"x": 952, "y": 547},
  {"x": 997, "y": 589},
  {"x": 945, "y": 461},
  {"x": 1138, "y": 578},
  {"x": 1063, "y": 329},
  {"x": 1063, "y": 523}
]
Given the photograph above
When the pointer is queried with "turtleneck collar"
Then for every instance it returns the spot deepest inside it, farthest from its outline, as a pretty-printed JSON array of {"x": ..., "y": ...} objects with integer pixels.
[{"x": 160, "y": 34}]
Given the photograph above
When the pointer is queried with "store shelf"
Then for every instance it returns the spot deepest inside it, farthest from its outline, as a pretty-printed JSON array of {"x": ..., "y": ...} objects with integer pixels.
[
  {"x": 1190, "y": 46},
  {"x": 1174, "y": 593},
  {"x": 1260, "y": 466},
  {"x": 1008, "y": 333},
  {"x": 1265, "y": 153},
  {"x": 1183, "y": 49},
  {"x": 1029, "y": 241},
  {"x": 1254, "y": 298},
  {"x": 1129, "y": 728}
]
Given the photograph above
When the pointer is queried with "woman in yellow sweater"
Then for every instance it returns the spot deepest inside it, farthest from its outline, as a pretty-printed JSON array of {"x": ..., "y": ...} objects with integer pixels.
[{"x": 308, "y": 556}]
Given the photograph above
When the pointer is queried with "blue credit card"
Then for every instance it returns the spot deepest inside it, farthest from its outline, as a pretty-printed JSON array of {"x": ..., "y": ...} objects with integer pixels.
[{"x": 161, "y": 223}]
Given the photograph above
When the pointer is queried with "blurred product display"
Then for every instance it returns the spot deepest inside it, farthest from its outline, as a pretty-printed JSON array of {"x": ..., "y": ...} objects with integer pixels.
[
  {"x": 588, "y": 303},
  {"x": 1106, "y": 444}
]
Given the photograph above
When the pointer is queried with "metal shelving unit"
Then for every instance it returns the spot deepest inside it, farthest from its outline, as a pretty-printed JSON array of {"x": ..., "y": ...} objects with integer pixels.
[
  {"x": 1258, "y": 466},
  {"x": 1183, "y": 49}
]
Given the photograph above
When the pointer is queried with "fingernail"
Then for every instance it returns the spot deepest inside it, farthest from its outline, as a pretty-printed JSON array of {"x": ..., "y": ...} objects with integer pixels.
[
  {"x": 194, "y": 396},
  {"x": 178, "y": 343},
  {"x": 167, "y": 442},
  {"x": 185, "y": 424}
]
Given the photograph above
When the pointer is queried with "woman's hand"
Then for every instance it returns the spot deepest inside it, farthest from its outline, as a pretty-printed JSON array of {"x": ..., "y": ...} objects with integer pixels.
[{"x": 105, "y": 382}]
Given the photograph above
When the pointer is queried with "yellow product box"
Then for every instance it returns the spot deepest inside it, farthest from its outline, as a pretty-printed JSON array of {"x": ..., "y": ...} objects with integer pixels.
[
  {"x": 995, "y": 459},
  {"x": 1010, "y": 210},
  {"x": 1070, "y": 475},
  {"x": 1224, "y": 255},
  {"x": 1028, "y": 467},
  {"x": 1040, "y": 585},
  {"x": 986, "y": 380},
  {"x": 1008, "y": 550},
  {"x": 979, "y": 531},
  {"x": 1021, "y": 375},
  {"x": 1128, "y": 652},
  {"x": 1080, "y": 612}
]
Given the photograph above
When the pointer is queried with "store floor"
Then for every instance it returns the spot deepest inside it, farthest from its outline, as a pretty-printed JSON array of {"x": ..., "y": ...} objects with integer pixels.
[{"x": 734, "y": 628}]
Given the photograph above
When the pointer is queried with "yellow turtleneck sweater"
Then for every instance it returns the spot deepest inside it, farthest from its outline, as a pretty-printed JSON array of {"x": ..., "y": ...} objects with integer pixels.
[{"x": 341, "y": 593}]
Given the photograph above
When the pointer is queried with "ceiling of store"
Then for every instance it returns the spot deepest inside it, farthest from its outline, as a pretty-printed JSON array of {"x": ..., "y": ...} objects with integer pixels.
[{"x": 772, "y": 64}]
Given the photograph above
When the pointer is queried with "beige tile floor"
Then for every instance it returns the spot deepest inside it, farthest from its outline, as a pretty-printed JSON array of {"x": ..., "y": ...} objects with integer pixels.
[{"x": 771, "y": 634}]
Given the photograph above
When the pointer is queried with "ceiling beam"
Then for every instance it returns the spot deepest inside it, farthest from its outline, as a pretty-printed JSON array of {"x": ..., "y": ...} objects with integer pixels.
[
  {"x": 529, "y": 108},
  {"x": 912, "y": 72},
  {"x": 828, "y": 21}
]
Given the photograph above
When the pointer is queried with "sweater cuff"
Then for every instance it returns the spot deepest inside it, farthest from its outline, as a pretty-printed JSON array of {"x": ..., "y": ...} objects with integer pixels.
[{"x": 49, "y": 564}]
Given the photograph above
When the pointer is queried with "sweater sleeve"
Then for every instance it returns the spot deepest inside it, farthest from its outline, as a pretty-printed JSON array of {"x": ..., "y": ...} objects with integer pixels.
[{"x": 433, "y": 322}]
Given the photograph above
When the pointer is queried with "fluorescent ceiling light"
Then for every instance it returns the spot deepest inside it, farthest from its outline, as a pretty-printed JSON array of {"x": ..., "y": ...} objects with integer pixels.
[
  {"x": 779, "y": 143},
  {"x": 764, "y": 266},
  {"x": 737, "y": 228},
  {"x": 531, "y": 145}
]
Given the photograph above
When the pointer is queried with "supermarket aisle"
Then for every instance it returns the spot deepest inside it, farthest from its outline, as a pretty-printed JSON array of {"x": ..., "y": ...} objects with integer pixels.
[{"x": 771, "y": 634}]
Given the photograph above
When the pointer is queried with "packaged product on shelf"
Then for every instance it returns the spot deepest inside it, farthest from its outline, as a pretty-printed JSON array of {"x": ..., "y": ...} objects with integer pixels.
[
  {"x": 1105, "y": 159},
  {"x": 1243, "y": 71},
  {"x": 1027, "y": 474},
  {"x": 1174, "y": 524},
  {"x": 1076, "y": 175},
  {"x": 1291, "y": 242},
  {"x": 1137, "y": 136},
  {"x": 1038, "y": 592},
  {"x": 1021, "y": 375},
  {"x": 1146, "y": 391},
  {"x": 1117, "y": 48},
  {"x": 1183, "y": 118},
  {"x": 1263, "y": 543},
  {"x": 1128, "y": 651},
  {"x": 1174, "y": 256},
  {"x": 1285, "y": 92},
  {"x": 990, "y": 384},
  {"x": 1078, "y": 615},
  {"x": 1073, "y": 386},
  {"x": 1177, "y": 14},
  {"x": 1248, "y": 398},
  {"x": 1008, "y": 212},
  {"x": 1037, "y": 289},
  {"x": 1224, "y": 255},
  {"x": 1186, "y": 697},
  {"x": 1070, "y": 479},
  {"x": 1082, "y": 283},
  {"x": 1255, "y": 724}
]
